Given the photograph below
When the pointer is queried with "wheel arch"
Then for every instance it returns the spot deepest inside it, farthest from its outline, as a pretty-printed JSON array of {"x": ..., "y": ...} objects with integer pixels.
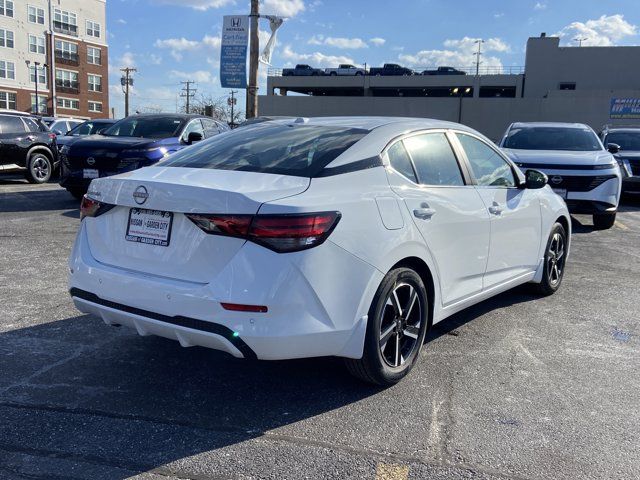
[
  {"x": 40, "y": 149},
  {"x": 421, "y": 268}
]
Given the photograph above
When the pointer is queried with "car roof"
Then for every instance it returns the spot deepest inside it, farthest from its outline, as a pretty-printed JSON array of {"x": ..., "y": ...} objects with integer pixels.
[
  {"x": 15, "y": 112},
  {"x": 549, "y": 125},
  {"x": 622, "y": 129},
  {"x": 370, "y": 123},
  {"x": 184, "y": 116}
]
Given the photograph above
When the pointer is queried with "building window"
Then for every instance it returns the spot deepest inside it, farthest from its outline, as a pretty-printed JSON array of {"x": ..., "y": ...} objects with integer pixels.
[
  {"x": 6, "y": 38},
  {"x": 36, "y": 44},
  {"x": 497, "y": 92},
  {"x": 95, "y": 83},
  {"x": 67, "y": 79},
  {"x": 65, "y": 22},
  {"x": 36, "y": 15},
  {"x": 7, "y": 70},
  {"x": 42, "y": 103},
  {"x": 42, "y": 76},
  {"x": 93, "y": 29},
  {"x": 94, "y": 56},
  {"x": 68, "y": 103},
  {"x": 95, "y": 107},
  {"x": 66, "y": 51},
  {"x": 8, "y": 100},
  {"x": 6, "y": 8},
  {"x": 568, "y": 86}
]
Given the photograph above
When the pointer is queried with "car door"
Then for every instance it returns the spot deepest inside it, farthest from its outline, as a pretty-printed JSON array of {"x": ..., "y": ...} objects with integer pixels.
[
  {"x": 515, "y": 212},
  {"x": 13, "y": 141},
  {"x": 446, "y": 209},
  {"x": 194, "y": 125}
]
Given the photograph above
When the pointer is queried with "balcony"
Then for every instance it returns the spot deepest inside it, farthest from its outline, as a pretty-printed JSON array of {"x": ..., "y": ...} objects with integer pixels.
[
  {"x": 65, "y": 28},
  {"x": 67, "y": 86},
  {"x": 67, "y": 58}
]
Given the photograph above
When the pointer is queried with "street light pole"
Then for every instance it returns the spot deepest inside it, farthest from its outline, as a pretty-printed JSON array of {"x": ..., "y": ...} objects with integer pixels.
[{"x": 252, "y": 88}]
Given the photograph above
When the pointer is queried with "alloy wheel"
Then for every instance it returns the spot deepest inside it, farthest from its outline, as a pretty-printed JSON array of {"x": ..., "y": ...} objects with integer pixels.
[
  {"x": 400, "y": 324},
  {"x": 40, "y": 168},
  {"x": 555, "y": 259}
]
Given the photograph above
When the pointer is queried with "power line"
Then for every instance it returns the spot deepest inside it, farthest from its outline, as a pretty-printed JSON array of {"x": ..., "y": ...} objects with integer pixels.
[{"x": 188, "y": 92}]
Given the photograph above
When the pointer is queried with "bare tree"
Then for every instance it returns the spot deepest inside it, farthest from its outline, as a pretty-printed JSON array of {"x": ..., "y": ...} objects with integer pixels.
[{"x": 215, "y": 107}]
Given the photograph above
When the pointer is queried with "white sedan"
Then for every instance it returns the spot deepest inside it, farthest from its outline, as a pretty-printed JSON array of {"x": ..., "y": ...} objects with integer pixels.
[{"x": 302, "y": 237}]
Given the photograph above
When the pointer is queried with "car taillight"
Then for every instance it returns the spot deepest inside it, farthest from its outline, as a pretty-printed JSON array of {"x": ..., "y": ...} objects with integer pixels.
[
  {"x": 280, "y": 233},
  {"x": 92, "y": 208},
  {"x": 52, "y": 136}
]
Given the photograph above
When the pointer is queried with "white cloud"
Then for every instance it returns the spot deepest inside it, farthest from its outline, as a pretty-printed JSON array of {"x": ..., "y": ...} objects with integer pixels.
[
  {"x": 318, "y": 59},
  {"x": 177, "y": 46},
  {"x": 199, "y": 76},
  {"x": 605, "y": 31},
  {"x": 284, "y": 8},
  {"x": 126, "y": 60},
  {"x": 155, "y": 59},
  {"x": 196, "y": 4},
  {"x": 338, "y": 42},
  {"x": 377, "y": 41},
  {"x": 498, "y": 15},
  {"x": 540, "y": 6},
  {"x": 458, "y": 53},
  {"x": 122, "y": 21}
]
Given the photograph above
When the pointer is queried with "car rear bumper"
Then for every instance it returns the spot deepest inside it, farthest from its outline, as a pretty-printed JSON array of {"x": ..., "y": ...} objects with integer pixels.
[{"x": 309, "y": 313}]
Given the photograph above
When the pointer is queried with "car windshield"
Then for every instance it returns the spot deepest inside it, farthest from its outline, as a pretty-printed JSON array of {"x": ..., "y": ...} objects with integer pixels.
[
  {"x": 552, "y": 138},
  {"x": 147, "y": 127},
  {"x": 626, "y": 140},
  {"x": 290, "y": 149},
  {"x": 87, "y": 128}
]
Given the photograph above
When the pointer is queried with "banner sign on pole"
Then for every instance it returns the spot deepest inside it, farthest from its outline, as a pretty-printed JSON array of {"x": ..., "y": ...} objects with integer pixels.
[
  {"x": 233, "y": 51},
  {"x": 625, "y": 108}
]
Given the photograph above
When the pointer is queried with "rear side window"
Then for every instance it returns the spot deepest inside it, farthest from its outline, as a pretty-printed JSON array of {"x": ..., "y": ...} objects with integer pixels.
[
  {"x": 290, "y": 149},
  {"x": 489, "y": 168},
  {"x": 401, "y": 162},
  {"x": 434, "y": 159},
  {"x": 9, "y": 124},
  {"x": 32, "y": 125}
]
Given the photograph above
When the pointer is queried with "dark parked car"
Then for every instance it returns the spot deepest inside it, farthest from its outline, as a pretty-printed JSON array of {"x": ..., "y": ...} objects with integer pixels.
[
  {"x": 27, "y": 145},
  {"x": 444, "y": 71},
  {"x": 624, "y": 144},
  {"x": 390, "y": 69},
  {"x": 90, "y": 127},
  {"x": 302, "y": 70},
  {"x": 134, "y": 142}
]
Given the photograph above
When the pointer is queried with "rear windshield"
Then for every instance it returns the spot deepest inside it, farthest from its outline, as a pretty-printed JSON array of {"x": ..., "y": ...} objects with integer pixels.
[
  {"x": 147, "y": 127},
  {"x": 626, "y": 140},
  {"x": 552, "y": 138},
  {"x": 291, "y": 149}
]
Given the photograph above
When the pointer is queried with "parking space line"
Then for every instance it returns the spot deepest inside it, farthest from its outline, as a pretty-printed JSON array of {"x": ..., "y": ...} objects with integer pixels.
[
  {"x": 391, "y": 471},
  {"x": 621, "y": 225}
]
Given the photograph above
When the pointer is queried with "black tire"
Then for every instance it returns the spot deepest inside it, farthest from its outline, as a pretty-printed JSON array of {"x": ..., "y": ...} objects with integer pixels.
[
  {"x": 388, "y": 363},
  {"x": 604, "y": 221},
  {"x": 554, "y": 261},
  {"x": 39, "y": 168},
  {"x": 77, "y": 193},
  {"x": 333, "y": 74},
  {"x": 359, "y": 74}
]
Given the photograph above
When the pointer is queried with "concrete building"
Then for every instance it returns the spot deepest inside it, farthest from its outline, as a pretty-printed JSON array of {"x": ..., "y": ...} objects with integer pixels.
[
  {"x": 61, "y": 45},
  {"x": 593, "y": 85}
]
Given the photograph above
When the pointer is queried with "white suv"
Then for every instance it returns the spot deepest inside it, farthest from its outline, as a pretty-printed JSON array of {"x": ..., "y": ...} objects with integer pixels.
[{"x": 579, "y": 168}]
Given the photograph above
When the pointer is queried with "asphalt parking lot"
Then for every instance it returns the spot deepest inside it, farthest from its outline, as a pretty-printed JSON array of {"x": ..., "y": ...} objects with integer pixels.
[{"x": 516, "y": 387}]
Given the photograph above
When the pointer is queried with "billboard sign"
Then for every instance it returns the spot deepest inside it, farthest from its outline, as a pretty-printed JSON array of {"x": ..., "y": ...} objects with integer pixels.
[
  {"x": 233, "y": 51},
  {"x": 622, "y": 108}
]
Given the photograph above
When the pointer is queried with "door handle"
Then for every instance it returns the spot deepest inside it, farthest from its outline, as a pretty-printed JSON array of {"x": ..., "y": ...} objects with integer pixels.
[
  {"x": 424, "y": 212},
  {"x": 495, "y": 209}
]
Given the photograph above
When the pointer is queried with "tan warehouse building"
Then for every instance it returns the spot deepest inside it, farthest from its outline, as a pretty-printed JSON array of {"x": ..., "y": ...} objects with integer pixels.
[{"x": 58, "y": 47}]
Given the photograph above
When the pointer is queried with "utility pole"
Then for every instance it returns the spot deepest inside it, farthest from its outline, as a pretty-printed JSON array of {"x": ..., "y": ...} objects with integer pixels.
[
  {"x": 477, "y": 54},
  {"x": 126, "y": 81},
  {"x": 36, "y": 68},
  {"x": 252, "y": 88},
  {"x": 580, "y": 40},
  {"x": 188, "y": 92},
  {"x": 232, "y": 102}
]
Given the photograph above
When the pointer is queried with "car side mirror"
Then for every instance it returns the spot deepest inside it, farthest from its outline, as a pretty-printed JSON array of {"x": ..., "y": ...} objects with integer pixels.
[
  {"x": 535, "y": 179},
  {"x": 193, "y": 137},
  {"x": 613, "y": 148}
]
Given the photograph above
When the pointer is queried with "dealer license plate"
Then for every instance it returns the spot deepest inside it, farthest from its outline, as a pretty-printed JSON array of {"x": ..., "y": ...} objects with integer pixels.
[
  {"x": 90, "y": 173},
  {"x": 152, "y": 227}
]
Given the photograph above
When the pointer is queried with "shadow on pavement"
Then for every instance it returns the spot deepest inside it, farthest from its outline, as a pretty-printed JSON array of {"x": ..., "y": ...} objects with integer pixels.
[{"x": 37, "y": 200}]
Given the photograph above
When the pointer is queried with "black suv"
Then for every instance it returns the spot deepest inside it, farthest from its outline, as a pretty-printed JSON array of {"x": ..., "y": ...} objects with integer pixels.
[
  {"x": 27, "y": 145},
  {"x": 624, "y": 143}
]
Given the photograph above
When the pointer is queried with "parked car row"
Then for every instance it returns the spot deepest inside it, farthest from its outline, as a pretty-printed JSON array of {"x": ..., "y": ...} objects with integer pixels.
[{"x": 388, "y": 69}]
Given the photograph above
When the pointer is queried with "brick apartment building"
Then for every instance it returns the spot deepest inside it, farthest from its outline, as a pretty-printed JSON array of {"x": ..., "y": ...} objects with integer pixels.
[{"x": 60, "y": 47}]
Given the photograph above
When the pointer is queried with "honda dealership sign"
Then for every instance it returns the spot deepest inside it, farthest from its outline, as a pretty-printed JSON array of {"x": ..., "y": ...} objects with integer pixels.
[{"x": 233, "y": 51}]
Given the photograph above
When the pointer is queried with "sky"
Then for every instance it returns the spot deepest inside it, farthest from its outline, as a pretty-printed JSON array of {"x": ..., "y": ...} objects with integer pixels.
[{"x": 170, "y": 41}]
